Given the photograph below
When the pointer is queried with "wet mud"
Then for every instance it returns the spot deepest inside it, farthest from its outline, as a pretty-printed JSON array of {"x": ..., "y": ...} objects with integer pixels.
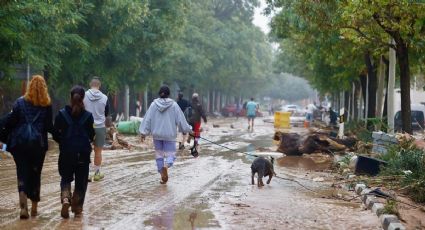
[{"x": 212, "y": 191}]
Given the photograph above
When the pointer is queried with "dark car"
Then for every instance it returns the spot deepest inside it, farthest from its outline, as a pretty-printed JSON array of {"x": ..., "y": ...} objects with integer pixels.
[{"x": 417, "y": 120}]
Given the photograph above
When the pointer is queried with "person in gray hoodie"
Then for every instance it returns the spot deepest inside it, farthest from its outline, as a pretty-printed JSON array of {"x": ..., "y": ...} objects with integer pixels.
[
  {"x": 161, "y": 121},
  {"x": 96, "y": 103}
]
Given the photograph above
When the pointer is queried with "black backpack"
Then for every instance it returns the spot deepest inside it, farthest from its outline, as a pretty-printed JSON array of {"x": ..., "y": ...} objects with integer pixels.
[
  {"x": 28, "y": 137},
  {"x": 188, "y": 113},
  {"x": 76, "y": 139}
]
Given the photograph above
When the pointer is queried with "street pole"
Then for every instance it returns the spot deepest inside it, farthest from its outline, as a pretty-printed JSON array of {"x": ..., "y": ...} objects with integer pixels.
[
  {"x": 381, "y": 86},
  {"x": 391, "y": 83}
]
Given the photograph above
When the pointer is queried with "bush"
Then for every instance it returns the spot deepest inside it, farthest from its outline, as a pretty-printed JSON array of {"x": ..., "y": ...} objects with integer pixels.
[
  {"x": 360, "y": 130},
  {"x": 403, "y": 158}
]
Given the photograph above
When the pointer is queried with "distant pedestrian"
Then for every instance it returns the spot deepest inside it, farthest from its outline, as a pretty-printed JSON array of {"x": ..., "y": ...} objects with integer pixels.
[
  {"x": 161, "y": 121},
  {"x": 238, "y": 110},
  {"x": 185, "y": 107},
  {"x": 195, "y": 121},
  {"x": 29, "y": 122},
  {"x": 333, "y": 116},
  {"x": 96, "y": 103},
  {"x": 310, "y": 112},
  {"x": 138, "y": 108},
  {"x": 74, "y": 132},
  {"x": 251, "y": 112}
]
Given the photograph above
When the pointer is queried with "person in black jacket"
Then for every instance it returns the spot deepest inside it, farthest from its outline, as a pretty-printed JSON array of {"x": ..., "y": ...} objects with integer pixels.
[
  {"x": 184, "y": 105},
  {"x": 33, "y": 108},
  {"x": 74, "y": 132}
]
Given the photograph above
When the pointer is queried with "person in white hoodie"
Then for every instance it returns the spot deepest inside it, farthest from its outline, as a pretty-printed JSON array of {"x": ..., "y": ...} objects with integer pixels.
[
  {"x": 96, "y": 103},
  {"x": 161, "y": 121}
]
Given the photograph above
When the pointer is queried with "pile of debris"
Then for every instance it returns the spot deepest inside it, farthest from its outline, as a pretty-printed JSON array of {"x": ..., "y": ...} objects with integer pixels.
[
  {"x": 317, "y": 141},
  {"x": 115, "y": 140}
]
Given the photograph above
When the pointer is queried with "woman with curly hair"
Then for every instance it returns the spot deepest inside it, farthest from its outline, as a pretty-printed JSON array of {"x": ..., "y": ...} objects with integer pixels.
[{"x": 30, "y": 119}]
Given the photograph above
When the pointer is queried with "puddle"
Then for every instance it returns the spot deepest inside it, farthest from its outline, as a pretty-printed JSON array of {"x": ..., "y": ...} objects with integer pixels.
[
  {"x": 305, "y": 162},
  {"x": 176, "y": 217}
]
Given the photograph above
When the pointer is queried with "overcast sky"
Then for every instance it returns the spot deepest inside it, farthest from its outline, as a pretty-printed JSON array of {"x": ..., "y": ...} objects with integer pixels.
[{"x": 260, "y": 20}]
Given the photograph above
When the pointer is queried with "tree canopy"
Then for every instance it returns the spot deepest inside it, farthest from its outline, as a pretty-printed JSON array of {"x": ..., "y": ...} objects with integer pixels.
[
  {"x": 337, "y": 43},
  {"x": 205, "y": 45}
]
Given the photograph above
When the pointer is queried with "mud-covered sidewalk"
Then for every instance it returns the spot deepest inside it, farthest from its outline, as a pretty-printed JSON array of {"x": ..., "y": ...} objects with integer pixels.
[{"x": 210, "y": 192}]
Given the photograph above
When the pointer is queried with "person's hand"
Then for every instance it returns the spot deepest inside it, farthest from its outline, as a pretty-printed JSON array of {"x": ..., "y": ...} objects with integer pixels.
[
  {"x": 142, "y": 137},
  {"x": 191, "y": 133}
]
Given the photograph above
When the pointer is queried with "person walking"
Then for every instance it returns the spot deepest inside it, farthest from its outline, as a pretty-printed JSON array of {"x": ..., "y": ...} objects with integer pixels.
[
  {"x": 310, "y": 114},
  {"x": 184, "y": 106},
  {"x": 251, "y": 113},
  {"x": 195, "y": 122},
  {"x": 161, "y": 121},
  {"x": 74, "y": 133},
  {"x": 29, "y": 123},
  {"x": 96, "y": 103}
]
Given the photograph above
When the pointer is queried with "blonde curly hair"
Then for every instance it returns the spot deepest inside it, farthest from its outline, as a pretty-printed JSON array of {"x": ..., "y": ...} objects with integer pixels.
[{"x": 37, "y": 92}]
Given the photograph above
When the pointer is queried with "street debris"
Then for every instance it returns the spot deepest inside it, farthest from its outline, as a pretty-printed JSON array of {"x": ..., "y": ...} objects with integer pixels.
[
  {"x": 293, "y": 144},
  {"x": 116, "y": 140}
]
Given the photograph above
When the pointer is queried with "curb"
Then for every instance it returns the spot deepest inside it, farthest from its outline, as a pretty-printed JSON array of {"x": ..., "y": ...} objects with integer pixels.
[{"x": 389, "y": 222}]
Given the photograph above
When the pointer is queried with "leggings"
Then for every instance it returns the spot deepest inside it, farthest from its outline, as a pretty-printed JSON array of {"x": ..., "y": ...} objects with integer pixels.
[{"x": 164, "y": 151}]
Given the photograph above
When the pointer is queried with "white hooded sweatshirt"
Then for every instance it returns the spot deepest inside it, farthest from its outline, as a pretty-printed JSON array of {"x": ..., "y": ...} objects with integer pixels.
[{"x": 162, "y": 119}]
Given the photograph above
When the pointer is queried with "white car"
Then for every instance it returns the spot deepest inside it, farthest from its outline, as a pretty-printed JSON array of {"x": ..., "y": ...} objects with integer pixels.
[{"x": 290, "y": 108}]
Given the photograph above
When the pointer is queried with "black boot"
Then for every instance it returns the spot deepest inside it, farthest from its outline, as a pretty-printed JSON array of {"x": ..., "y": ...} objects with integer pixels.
[
  {"x": 194, "y": 150},
  {"x": 76, "y": 206},
  {"x": 66, "y": 201},
  {"x": 23, "y": 204}
]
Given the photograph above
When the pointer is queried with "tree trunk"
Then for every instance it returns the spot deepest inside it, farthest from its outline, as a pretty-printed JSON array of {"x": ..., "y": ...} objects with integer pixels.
[
  {"x": 363, "y": 84},
  {"x": 387, "y": 72},
  {"x": 403, "y": 63},
  {"x": 346, "y": 105},
  {"x": 357, "y": 99},
  {"x": 214, "y": 99},
  {"x": 373, "y": 85}
]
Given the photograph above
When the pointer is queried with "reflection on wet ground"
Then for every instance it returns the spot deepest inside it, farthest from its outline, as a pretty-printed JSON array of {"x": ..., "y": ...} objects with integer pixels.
[
  {"x": 306, "y": 162},
  {"x": 178, "y": 217},
  {"x": 212, "y": 191}
]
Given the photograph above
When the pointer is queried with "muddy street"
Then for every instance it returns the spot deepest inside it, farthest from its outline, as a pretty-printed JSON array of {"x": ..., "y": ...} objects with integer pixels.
[{"x": 212, "y": 191}]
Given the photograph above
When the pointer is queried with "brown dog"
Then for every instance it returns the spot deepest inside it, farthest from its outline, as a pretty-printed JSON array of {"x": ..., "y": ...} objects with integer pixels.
[{"x": 263, "y": 168}]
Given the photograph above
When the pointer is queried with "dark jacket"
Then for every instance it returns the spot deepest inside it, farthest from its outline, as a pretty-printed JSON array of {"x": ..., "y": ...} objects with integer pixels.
[
  {"x": 333, "y": 116},
  {"x": 197, "y": 112},
  {"x": 61, "y": 125},
  {"x": 17, "y": 118},
  {"x": 183, "y": 104}
]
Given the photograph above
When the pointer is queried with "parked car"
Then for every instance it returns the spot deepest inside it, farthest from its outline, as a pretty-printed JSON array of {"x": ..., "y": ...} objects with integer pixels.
[
  {"x": 230, "y": 110},
  {"x": 290, "y": 108},
  {"x": 418, "y": 121}
]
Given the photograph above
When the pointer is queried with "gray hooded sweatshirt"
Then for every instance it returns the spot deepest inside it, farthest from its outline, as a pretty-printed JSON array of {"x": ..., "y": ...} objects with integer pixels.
[
  {"x": 95, "y": 102},
  {"x": 162, "y": 119}
]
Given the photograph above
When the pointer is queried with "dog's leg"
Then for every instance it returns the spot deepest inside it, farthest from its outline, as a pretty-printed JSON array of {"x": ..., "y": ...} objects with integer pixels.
[
  {"x": 270, "y": 178},
  {"x": 260, "y": 179},
  {"x": 252, "y": 178}
]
